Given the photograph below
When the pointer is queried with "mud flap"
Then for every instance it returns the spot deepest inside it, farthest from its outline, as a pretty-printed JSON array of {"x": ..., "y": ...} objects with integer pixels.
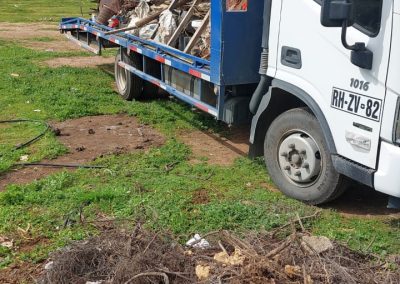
[{"x": 394, "y": 203}]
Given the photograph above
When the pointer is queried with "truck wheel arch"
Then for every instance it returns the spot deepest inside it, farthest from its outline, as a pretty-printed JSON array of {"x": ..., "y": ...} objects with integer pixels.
[{"x": 283, "y": 96}]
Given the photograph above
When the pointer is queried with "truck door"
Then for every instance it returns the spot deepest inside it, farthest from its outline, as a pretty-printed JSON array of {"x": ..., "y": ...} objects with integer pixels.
[{"x": 313, "y": 58}]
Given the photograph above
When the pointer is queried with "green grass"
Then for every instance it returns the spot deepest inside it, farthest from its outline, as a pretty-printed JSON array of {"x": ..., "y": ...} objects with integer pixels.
[
  {"x": 136, "y": 186},
  {"x": 41, "y": 10},
  {"x": 43, "y": 39},
  {"x": 63, "y": 93}
]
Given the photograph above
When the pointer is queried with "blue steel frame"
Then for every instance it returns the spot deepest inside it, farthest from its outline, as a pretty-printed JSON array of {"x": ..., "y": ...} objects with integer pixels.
[
  {"x": 235, "y": 50},
  {"x": 164, "y": 54}
]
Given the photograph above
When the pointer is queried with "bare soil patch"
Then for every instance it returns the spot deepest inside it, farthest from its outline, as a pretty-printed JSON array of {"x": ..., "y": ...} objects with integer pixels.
[
  {"x": 23, "y": 272},
  {"x": 79, "y": 62},
  {"x": 362, "y": 201},
  {"x": 18, "y": 31},
  {"x": 155, "y": 257},
  {"x": 28, "y": 34},
  {"x": 218, "y": 149},
  {"x": 61, "y": 44},
  {"x": 88, "y": 138},
  {"x": 201, "y": 196},
  {"x": 25, "y": 34}
]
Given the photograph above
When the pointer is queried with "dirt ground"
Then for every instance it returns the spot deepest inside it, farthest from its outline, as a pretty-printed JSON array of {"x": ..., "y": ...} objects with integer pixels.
[
  {"x": 79, "y": 61},
  {"x": 219, "y": 150},
  {"x": 20, "y": 31},
  {"x": 88, "y": 138},
  {"x": 29, "y": 35}
]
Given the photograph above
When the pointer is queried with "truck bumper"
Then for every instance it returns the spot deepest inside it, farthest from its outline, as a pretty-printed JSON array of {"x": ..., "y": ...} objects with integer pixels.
[{"x": 387, "y": 178}]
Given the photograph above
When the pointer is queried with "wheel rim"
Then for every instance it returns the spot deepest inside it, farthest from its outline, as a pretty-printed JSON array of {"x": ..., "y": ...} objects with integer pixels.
[
  {"x": 300, "y": 158},
  {"x": 121, "y": 79}
]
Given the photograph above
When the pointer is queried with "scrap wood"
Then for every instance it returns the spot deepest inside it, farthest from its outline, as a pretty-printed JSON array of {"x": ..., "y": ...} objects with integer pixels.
[
  {"x": 146, "y": 20},
  {"x": 184, "y": 23},
  {"x": 198, "y": 33},
  {"x": 138, "y": 24}
]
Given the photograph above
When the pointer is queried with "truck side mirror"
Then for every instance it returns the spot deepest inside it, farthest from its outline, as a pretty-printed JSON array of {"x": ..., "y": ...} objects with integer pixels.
[
  {"x": 339, "y": 13},
  {"x": 335, "y": 12}
]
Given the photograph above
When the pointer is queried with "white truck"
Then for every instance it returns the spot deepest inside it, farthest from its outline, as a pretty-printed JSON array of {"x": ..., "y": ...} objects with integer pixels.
[{"x": 325, "y": 103}]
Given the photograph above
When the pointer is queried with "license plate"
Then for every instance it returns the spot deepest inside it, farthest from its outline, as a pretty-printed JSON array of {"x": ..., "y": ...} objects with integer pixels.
[{"x": 357, "y": 104}]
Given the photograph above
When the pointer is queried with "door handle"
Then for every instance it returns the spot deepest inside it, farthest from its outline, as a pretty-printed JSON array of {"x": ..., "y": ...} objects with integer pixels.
[{"x": 291, "y": 57}]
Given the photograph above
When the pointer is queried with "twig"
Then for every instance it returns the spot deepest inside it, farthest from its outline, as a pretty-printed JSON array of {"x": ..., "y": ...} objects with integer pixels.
[
  {"x": 134, "y": 234},
  {"x": 342, "y": 271},
  {"x": 152, "y": 240},
  {"x": 178, "y": 274},
  {"x": 226, "y": 273},
  {"x": 300, "y": 222},
  {"x": 222, "y": 247},
  {"x": 239, "y": 243},
  {"x": 305, "y": 280},
  {"x": 326, "y": 273},
  {"x": 169, "y": 167},
  {"x": 316, "y": 213},
  {"x": 280, "y": 248},
  {"x": 165, "y": 276},
  {"x": 370, "y": 244}
]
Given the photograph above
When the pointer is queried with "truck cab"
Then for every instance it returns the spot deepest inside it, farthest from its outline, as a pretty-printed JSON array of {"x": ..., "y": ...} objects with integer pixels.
[{"x": 332, "y": 104}]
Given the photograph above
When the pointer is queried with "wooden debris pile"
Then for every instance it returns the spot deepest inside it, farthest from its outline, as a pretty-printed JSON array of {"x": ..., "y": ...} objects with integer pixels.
[
  {"x": 142, "y": 256},
  {"x": 181, "y": 24}
]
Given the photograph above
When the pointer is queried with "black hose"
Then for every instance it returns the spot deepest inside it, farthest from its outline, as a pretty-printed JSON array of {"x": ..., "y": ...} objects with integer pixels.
[
  {"x": 60, "y": 165},
  {"x": 265, "y": 81},
  {"x": 259, "y": 93},
  {"x": 27, "y": 143},
  {"x": 266, "y": 22},
  {"x": 33, "y": 140}
]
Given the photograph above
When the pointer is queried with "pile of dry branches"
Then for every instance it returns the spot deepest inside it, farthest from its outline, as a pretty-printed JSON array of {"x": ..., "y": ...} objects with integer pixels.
[{"x": 146, "y": 257}]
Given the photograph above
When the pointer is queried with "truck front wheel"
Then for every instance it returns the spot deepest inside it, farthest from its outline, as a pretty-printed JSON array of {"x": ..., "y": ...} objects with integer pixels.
[
  {"x": 129, "y": 85},
  {"x": 298, "y": 159}
]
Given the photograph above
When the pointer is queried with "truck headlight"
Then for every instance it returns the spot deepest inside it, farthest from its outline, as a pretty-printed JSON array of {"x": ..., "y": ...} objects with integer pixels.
[{"x": 396, "y": 133}]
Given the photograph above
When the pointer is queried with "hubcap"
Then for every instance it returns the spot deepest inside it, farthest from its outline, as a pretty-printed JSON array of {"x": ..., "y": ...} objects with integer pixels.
[{"x": 300, "y": 159}]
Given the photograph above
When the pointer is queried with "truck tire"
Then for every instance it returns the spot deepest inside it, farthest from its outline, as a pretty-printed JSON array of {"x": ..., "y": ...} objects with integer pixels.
[
  {"x": 298, "y": 159},
  {"x": 129, "y": 86}
]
